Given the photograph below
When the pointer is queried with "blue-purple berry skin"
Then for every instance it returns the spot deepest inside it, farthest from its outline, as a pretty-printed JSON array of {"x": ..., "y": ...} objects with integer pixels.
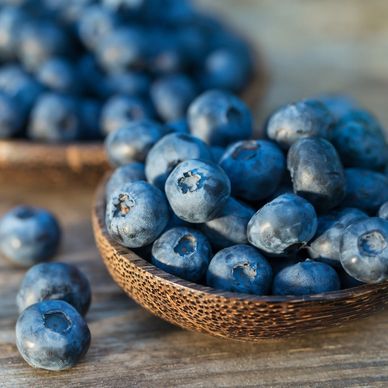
[
  {"x": 317, "y": 172},
  {"x": 230, "y": 226},
  {"x": 285, "y": 223},
  {"x": 240, "y": 268},
  {"x": 220, "y": 118},
  {"x": 197, "y": 190},
  {"x": 183, "y": 252},
  {"x": 127, "y": 173},
  {"x": 383, "y": 211},
  {"x": 52, "y": 335},
  {"x": 325, "y": 246},
  {"x": 136, "y": 214},
  {"x": 133, "y": 141},
  {"x": 11, "y": 117},
  {"x": 364, "y": 250},
  {"x": 306, "y": 278},
  {"x": 254, "y": 167},
  {"x": 308, "y": 118},
  {"x": 55, "y": 281},
  {"x": 365, "y": 189},
  {"x": 171, "y": 150},
  {"x": 29, "y": 235}
]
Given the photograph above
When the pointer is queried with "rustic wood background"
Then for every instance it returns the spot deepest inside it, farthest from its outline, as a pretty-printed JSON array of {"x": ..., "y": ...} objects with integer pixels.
[{"x": 310, "y": 47}]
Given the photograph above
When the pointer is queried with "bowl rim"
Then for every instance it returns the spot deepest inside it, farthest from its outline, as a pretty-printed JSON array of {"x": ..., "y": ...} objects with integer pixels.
[{"x": 98, "y": 214}]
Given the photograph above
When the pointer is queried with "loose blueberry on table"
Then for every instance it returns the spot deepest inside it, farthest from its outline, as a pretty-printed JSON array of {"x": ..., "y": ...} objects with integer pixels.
[{"x": 298, "y": 231}]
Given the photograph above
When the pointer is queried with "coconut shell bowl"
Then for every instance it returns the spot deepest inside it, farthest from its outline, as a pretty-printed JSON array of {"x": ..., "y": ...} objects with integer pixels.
[{"x": 225, "y": 314}]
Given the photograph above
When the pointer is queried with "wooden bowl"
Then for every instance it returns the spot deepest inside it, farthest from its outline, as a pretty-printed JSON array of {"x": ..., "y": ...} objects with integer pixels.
[{"x": 225, "y": 314}]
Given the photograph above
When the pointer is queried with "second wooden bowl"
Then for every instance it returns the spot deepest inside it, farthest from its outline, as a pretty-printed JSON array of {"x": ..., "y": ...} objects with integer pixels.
[{"x": 224, "y": 314}]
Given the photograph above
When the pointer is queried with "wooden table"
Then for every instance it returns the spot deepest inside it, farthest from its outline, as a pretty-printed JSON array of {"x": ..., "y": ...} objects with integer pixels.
[{"x": 310, "y": 46}]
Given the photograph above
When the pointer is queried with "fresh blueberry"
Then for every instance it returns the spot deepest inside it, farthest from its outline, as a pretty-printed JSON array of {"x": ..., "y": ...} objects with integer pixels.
[
  {"x": 127, "y": 173},
  {"x": 171, "y": 150},
  {"x": 300, "y": 120},
  {"x": 95, "y": 23},
  {"x": 240, "y": 268},
  {"x": 29, "y": 235},
  {"x": 59, "y": 75},
  {"x": 306, "y": 278},
  {"x": 317, "y": 173},
  {"x": 133, "y": 141},
  {"x": 136, "y": 214},
  {"x": 11, "y": 117},
  {"x": 130, "y": 83},
  {"x": 17, "y": 84},
  {"x": 94, "y": 81},
  {"x": 282, "y": 225},
  {"x": 52, "y": 335},
  {"x": 365, "y": 189},
  {"x": 347, "y": 281},
  {"x": 219, "y": 118},
  {"x": 120, "y": 110},
  {"x": 338, "y": 105},
  {"x": 326, "y": 244},
  {"x": 55, "y": 118},
  {"x": 179, "y": 126},
  {"x": 217, "y": 153},
  {"x": 364, "y": 250},
  {"x": 55, "y": 281},
  {"x": 11, "y": 18},
  {"x": 123, "y": 49},
  {"x": 226, "y": 69},
  {"x": 172, "y": 95},
  {"x": 183, "y": 252},
  {"x": 90, "y": 111},
  {"x": 139, "y": 10},
  {"x": 360, "y": 143},
  {"x": 197, "y": 190},
  {"x": 254, "y": 167},
  {"x": 383, "y": 211},
  {"x": 230, "y": 226},
  {"x": 41, "y": 40}
]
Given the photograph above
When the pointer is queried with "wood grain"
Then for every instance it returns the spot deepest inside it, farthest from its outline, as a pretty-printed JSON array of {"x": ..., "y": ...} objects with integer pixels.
[{"x": 310, "y": 46}]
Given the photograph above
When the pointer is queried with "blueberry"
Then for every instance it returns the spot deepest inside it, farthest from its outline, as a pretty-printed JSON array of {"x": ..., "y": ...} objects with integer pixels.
[
  {"x": 29, "y": 235},
  {"x": 90, "y": 111},
  {"x": 230, "y": 226},
  {"x": 179, "y": 126},
  {"x": 347, "y": 281},
  {"x": 11, "y": 117},
  {"x": 364, "y": 250},
  {"x": 133, "y": 141},
  {"x": 282, "y": 225},
  {"x": 136, "y": 214},
  {"x": 41, "y": 40},
  {"x": 93, "y": 79},
  {"x": 219, "y": 118},
  {"x": 326, "y": 244},
  {"x": 59, "y": 75},
  {"x": 255, "y": 168},
  {"x": 317, "y": 173},
  {"x": 226, "y": 69},
  {"x": 217, "y": 153},
  {"x": 383, "y": 211},
  {"x": 197, "y": 190},
  {"x": 306, "y": 278},
  {"x": 120, "y": 110},
  {"x": 11, "y": 18},
  {"x": 338, "y": 105},
  {"x": 52, "y": 335},
  {"x": 365, "y": 189},
  {"x": 172, "y": 95},
  {"x": 130, "y": 83},
  {"x": 55, "y": 118},
  {"x": 171, "y": 150},
  {"x": 360, "y": 143},
  {"x": 127, "y": 173},
  {"x": 123, "y": 49},
  {"x": 55, "y": 281},
  {"x": 300, "y": 120},
  {"x": 240, "y": 268},
  {"x": 17, "y": 84},
  {"x": 95, "y": 23},
  {"x": 183, "y": 252}
]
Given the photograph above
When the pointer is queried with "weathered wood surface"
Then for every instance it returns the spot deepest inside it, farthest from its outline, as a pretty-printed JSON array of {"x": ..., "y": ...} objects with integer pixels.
[{"x": 311, "y": 46}]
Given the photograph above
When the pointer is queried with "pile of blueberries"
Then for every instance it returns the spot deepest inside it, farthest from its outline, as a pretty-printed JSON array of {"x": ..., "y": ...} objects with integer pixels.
[
  {"x": 302, "y": 211},
  {"x": 75, "y": 70},
  {"x": 53, "y": 298}
]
